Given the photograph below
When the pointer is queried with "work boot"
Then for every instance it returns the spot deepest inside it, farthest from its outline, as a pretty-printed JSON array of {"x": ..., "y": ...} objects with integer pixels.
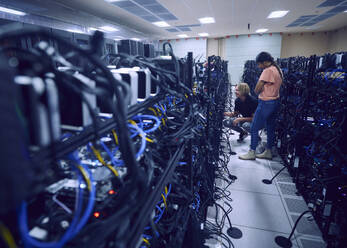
[
  {"x": 248, "y": 156},
  {"x": 267, "y": 154}
]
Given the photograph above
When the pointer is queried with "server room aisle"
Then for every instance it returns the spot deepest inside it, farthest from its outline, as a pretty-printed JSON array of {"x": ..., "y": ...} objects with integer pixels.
[{"x": 263, "y": 211}]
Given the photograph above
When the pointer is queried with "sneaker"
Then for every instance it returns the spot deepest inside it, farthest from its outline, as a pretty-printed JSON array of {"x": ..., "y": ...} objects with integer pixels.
[
  {"x": 267, "y": 154},
  {"x": 248, "y": 156},
  {"x": 242, "y": 137}
]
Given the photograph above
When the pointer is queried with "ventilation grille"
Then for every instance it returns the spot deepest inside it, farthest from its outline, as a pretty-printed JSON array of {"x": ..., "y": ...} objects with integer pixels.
[
  {"x": 296, "y": 205},
  {"x": 288, "y": 189},
  {"x": 309, "y": 243},
  {"x": 307, "y": 226},
  {"x": 149, "y": 10},
  {"x": 331, "y": 3},
  {"x": 301, "y": 20},
  {"x": 310, "y": 20},
  {"x": 172, "y": 30}
]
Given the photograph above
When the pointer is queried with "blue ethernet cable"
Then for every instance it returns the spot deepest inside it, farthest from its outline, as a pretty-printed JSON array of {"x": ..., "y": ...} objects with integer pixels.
[{"x": 75, "y": 225}]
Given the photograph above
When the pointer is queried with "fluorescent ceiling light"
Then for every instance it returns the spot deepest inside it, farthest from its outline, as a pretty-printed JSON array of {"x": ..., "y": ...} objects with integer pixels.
[
  {"x": 203, "y": 34},
  {"x": 161, "y": 24},
  {"x": 136, "y": 39},
  {"x": 111, "y": 1},
  {"x": 261, "y": 30},
  {"x": 206, "y": 20},
  {"x": 12, "y": 11},
  {"x": 278, "y": 14},
  {"x": 75, "y": 31},
  {"x": 109, "y": 28},
  {"x": 345, "y": 11},
  {"x": 182, "y": 35}
]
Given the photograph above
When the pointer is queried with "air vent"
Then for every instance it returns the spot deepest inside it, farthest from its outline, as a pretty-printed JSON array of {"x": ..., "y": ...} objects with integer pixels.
[
  {"x": 184, "y": 29},
  {"x": 189, "y": 26},
  {"x": 157, "y": 8},
  {"x": 301, "y": 20},
  {"x": 138, "y": 11},
  {"x": 145, "y": 2},
  {"x": 150, "y": 18},
  {"x": 338, "y": 9},
  {"x": 168, "y": 17},
  {"x": 330, "y": 3},
  {"x": 149, "y": 10},
  {"x": 293, "y": 25},
  {"x": 124, "y": 4},
  {"x": 172, "y": 30}
]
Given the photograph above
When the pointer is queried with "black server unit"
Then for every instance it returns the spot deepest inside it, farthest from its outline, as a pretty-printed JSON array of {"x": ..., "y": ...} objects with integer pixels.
[
  {"x": 124, "y": 47},
  {"x": 128, "y": 47},
  {"x": 66, "y": 36},
  {"x": 149, "y": 51},
  {"x": 133, "y": 47},
  {"x": 140, "y": 49},
  {"x": 82, "y": 40}
]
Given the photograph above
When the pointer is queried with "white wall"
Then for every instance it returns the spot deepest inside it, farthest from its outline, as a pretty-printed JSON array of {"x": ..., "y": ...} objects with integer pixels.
[
  {"x": 305, "y": 44},
  {"x": 212, "y": 47},
  {"x": 182, "y": 47},
  {"x": 239, "y": 50}
]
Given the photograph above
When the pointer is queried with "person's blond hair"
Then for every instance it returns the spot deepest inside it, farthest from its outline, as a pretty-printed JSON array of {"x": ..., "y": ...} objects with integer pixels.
[{"x": 243, "y": 89}]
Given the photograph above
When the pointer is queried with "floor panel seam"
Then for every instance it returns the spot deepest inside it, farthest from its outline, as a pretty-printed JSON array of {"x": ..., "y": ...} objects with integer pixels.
[{"x": 248, "y": 191}]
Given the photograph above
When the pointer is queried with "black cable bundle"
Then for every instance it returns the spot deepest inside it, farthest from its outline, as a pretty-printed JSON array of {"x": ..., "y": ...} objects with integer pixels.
[
  {"x": 135, "y": 177},
  {"x": 311, "y": 122},
  {"x": 251, "y": 74}
]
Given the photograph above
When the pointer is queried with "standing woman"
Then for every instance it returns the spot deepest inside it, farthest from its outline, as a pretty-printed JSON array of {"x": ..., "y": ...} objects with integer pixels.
[{"x": 268, "y": 89}]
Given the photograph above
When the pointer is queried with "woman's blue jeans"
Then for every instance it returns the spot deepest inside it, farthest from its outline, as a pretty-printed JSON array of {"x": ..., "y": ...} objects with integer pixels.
[{"x": 265, "y": 116}]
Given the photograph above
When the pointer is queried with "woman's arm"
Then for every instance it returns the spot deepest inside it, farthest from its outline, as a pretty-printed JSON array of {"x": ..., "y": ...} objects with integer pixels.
[{"x": 259, "y": 87}]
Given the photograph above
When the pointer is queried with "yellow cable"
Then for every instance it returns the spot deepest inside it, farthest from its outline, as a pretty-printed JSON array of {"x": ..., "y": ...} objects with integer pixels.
[
  {"x": 163, "y": 113},
  {"x": 146, "y": 241},
  {"x": 165, "y": 190},
  {"x": 115, "y": 137},
  {"x": 153, "y": 110},
  {"x": 85, "y": 176},
  {"x": 186, "y": 95},
  {"x": 102, "y": 161},
  {"x": 164, "y": 199},
  {"x": 174, "y": 101},
  {"x": 135, "y": 124},
  {"x": 162, "y": 119},
  {"x": 7, "y": 236},
  {"x": 113, "y": 170}
]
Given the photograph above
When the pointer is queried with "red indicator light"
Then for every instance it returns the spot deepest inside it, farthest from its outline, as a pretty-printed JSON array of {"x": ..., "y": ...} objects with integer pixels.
[
  {"x": 112, "y": 192},
  {"x": 96, "y": 214}
]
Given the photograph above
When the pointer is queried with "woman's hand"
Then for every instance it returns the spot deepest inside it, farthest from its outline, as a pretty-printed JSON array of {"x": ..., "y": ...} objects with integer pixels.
[{"x": 236, "y": 121}]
